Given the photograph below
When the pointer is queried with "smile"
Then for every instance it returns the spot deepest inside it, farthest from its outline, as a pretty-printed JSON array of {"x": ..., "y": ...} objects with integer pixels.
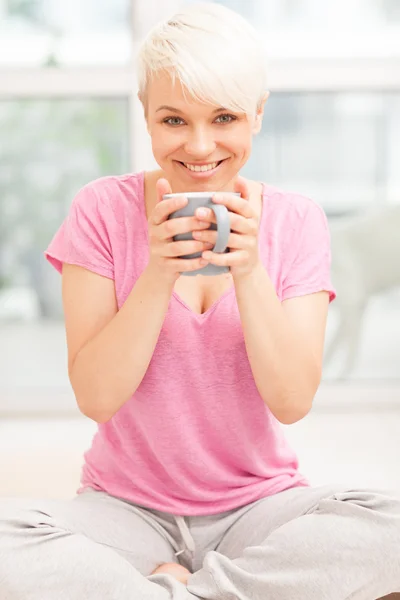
[
  {"x": 208, "y": 167},
  {"x": 202, "y": 170}
]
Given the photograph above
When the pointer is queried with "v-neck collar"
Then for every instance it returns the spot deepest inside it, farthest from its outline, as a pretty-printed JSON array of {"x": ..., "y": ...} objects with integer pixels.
[
  {"x": 204, "y": 315},
  {"x": 175, "y": 295}
]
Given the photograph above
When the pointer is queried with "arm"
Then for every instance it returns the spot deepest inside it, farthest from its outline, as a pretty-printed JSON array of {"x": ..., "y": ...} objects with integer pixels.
[
  {"x": 284, "y": 344},
  {"x": 109, "y": 350}
]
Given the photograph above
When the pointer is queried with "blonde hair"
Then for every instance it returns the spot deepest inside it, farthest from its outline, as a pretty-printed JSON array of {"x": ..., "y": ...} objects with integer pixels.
[{"x": 214, "y": 52}]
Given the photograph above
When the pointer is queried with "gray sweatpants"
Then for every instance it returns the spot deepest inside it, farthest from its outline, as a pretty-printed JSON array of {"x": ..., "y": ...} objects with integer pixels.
[{"x": 321, "y": 543}]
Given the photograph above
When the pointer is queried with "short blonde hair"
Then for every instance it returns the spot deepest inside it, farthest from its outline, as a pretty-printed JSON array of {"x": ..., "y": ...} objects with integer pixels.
[{"x": 213, "y": 51}]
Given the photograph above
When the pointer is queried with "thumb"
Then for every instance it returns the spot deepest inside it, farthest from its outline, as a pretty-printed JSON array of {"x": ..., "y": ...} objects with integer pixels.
[
  {"x": 242, "y": 187},
  {"x": 162, "y": 187}
]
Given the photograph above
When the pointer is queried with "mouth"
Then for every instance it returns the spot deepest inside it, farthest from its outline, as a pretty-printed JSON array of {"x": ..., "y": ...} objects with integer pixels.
[{"x": 202, "y": 171}]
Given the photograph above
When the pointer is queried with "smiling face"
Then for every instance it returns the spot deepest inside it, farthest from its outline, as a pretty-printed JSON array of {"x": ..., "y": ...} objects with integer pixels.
[{"x": 198, "y": 146}]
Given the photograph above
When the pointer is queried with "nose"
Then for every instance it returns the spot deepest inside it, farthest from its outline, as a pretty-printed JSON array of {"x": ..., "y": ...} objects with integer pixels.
[{"x": 200, "y": 143}]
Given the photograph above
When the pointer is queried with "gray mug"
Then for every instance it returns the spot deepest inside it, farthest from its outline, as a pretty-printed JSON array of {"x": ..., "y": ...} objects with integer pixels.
[{"x": 199, "y": 200}]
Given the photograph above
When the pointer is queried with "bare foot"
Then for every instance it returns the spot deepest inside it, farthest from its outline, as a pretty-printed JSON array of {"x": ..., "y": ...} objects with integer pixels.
[{"x": 176, "y": 571}]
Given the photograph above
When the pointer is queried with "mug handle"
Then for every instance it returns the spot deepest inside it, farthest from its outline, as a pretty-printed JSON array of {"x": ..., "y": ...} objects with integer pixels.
[{"x": 223, "y": 225}]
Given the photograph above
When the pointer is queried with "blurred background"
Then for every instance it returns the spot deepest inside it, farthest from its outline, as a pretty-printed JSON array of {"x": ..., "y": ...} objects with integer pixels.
[{"x": 69, "y": 114}]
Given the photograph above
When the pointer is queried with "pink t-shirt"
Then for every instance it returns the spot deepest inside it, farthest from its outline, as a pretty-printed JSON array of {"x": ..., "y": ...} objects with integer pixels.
[{"x": 195, "y": 438}]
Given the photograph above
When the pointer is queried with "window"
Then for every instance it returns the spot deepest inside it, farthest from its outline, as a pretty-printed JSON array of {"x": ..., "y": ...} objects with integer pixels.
[
  {"x": 342, "y": 148},
  {"x": 40, "y": 33},
  {"x": 314, "y": 29},
  {"x": 69, "y": 114},
  {"x": 54, "y": 147}
]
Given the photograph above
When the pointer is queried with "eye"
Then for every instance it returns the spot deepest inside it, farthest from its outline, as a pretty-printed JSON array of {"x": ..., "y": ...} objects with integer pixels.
[
  {"x": 229, "y": 117},
  {"x": 170, "y": 119}
]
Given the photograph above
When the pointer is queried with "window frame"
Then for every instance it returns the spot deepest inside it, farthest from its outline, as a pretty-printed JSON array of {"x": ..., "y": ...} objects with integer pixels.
[{"x": 284, "y": 75}]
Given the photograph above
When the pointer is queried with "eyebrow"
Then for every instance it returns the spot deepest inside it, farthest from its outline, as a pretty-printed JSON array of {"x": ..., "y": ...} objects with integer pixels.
[{"x": 171, "y": 108}]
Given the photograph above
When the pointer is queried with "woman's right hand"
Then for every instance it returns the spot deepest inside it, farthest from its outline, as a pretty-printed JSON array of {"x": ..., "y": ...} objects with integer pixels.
[{"x": 164, "y": 252}]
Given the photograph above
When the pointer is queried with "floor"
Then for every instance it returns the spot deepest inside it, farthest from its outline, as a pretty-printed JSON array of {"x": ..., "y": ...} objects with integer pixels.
[{"x": 43, "y": 457}]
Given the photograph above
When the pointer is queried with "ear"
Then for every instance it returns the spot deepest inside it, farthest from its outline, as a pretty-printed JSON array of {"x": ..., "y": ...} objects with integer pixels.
[{"x": 259, "y": 115}]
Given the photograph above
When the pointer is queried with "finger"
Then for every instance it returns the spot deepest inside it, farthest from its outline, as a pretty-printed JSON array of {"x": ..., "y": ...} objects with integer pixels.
[
  {"x": 240, "y": 206},
  {"x": 229, "y": 259},
  {"x": 235, "y": 241},
  {"x": 179, "y": 225},
  {"x": 185, "y": 247},
  {"x": 244, "y": 226},
  {"x": 164, "y": 208},
  {"x": 187, "y": 264},
  {"x": 162, "y": 187},
  {"x": 242, "y": 187},
  {"x": 240, "y": 224},
  {"x": 205, "y": 214}
]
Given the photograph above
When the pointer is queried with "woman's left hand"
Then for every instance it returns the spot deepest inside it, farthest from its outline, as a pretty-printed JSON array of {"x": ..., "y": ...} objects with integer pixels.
[{"x": 243, "y": 257}]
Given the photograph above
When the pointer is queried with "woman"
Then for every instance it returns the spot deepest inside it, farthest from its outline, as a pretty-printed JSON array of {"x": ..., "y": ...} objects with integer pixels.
[{"x": 189, "y": 489}]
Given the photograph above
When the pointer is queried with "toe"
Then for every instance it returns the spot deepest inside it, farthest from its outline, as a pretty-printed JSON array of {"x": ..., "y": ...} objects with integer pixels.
[{"x": 175, "y": 570}]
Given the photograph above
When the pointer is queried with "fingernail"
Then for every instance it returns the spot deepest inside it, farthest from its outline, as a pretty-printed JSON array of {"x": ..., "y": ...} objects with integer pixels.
[{"x": 202, "y": 212}]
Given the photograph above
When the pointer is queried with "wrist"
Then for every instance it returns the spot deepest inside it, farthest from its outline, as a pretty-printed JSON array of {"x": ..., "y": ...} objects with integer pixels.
[
  {"x": 159, "y": 278},
  {"x": 243, "y": 277}
]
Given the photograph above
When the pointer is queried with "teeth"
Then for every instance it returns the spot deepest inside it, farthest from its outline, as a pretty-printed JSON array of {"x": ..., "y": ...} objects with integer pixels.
[{"x": 201, "y": 168}]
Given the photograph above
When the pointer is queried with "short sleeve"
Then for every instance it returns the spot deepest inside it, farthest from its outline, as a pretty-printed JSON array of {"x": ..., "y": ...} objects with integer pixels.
[
  {"x": 82, "y": 238},
  {"x": 310, "y": 268}
]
